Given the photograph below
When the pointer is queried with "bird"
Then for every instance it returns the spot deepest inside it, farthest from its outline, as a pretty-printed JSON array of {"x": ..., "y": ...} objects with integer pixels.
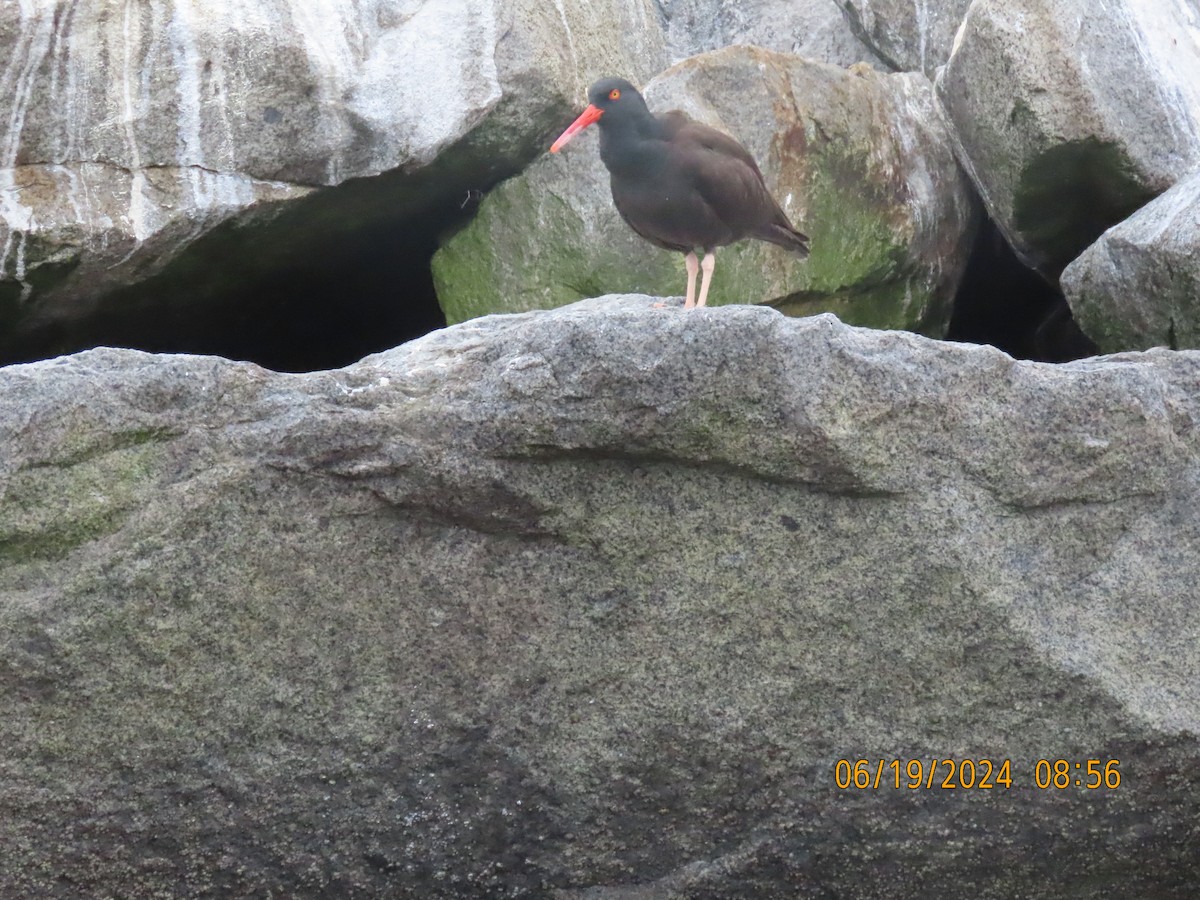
[{"x": 680, "y": 184}]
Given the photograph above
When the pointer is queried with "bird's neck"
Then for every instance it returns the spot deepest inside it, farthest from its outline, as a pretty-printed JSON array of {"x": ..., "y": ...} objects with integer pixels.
[{"x": 632, "y": 145}]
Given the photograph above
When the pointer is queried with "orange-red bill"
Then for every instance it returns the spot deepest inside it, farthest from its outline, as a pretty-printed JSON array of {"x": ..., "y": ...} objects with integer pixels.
[{"x": 586, "y": 118}]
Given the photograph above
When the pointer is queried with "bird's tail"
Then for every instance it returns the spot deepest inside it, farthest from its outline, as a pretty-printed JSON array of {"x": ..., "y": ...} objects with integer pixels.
[{"x": 788, "y": 237}]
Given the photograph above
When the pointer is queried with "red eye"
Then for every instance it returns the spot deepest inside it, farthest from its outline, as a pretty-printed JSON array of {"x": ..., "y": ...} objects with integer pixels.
[{"x": 614, "y": 94}]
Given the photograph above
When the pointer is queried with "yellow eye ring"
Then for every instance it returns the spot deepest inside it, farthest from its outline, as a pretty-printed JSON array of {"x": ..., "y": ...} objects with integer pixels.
[{"x": 614, "y": 94}]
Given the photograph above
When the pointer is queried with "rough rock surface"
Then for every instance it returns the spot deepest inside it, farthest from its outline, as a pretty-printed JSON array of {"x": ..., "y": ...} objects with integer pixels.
[
  {"x": 908, "y": 35},
  {"x": 464, "y": 618},
  {"x": 133, "y": 129},
  {"x": 814, "y": 29},
  {"x": 1139, "y": 284},
  {"x": 1072, "y": 114},
  {"x": 861, "y": 162}
]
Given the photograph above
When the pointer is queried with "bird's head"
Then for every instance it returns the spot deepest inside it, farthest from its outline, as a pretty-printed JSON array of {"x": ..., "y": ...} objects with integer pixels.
[{"x": 612, "y": 97}]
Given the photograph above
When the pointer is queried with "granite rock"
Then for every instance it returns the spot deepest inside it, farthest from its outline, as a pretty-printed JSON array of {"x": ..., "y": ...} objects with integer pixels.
[
  {"x": 1139, "y": 284},
  {"x": 908, "y": 35},
  {"x": 814, "y": 29},
  {"x": 1072, "y": 114},
  {"x": 590, "y": 603}
]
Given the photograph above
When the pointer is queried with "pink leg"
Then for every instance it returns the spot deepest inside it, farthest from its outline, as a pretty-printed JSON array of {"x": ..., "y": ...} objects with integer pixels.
[
  {"x": 693, "y": 266},
  {"x": 710, "y": 263}
]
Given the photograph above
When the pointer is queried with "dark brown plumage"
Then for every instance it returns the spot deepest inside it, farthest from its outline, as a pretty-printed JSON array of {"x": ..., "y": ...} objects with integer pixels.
[{"x": 680, "y": 184}]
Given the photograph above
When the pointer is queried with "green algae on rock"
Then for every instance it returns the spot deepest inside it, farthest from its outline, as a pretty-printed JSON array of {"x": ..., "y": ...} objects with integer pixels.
[{"x": 860, "y": 161}]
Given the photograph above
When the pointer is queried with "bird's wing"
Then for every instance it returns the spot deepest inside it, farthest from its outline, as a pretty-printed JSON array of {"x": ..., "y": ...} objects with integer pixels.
[
  {"x": 725, "y": 174},
  {"x": 693, "y": 132},
  {"x": 654, "y": 236}
]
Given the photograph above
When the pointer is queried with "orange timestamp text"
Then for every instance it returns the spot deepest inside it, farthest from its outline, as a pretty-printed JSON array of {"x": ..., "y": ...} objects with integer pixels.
[{"x": 973, "y": 774}]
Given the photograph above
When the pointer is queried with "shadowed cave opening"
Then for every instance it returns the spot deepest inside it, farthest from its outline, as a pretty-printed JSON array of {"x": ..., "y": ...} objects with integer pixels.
[
  {"x": 361, "y": 295},
  {"x": 294, "y": 312},
  {"x": 1002, "y": 302}
]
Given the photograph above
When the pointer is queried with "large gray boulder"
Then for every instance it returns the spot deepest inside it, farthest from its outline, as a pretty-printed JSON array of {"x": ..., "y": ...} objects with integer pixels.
[
  {"x": 288, "y": 91},
  {"x": 133, "y": 131},
  {"x": 908, "y": 35},
  {"x": 814, "y": 29},
  {"x": 594, "y": 601},
  {"x": 862, "y": 162},
  {"x": 1139, "y": 284},
  {"x": 1072, "y": 114}
]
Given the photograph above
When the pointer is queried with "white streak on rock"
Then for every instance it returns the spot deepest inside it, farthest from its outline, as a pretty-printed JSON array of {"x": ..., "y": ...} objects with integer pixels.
[
  {"x": 18, "y": 83},
  {"x": 922, "y": 9},
  {"x": 75, "y": 119},
  {"x": 77, "y": 199},
  {"x": 208, "y": 189},
  {"x": 323, "y": 26},
  {"x": 20, "y": 74},
  {"x": 19, "y": 269},
  {"x": 186, "y": 59},
  {"x": 562, "y": 14},
  {"x": 226, "y": 148},
  {"x": 58, "y": 62},
  {"x": 138, "y": 202}
]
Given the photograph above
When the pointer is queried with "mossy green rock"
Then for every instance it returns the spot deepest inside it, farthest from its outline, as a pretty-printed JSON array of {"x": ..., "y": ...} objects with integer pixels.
[{"x": 860, "y": 161}]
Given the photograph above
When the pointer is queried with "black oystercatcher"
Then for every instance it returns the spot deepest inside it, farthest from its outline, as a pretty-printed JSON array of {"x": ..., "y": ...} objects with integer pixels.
[{"x": 680, "y": 184}]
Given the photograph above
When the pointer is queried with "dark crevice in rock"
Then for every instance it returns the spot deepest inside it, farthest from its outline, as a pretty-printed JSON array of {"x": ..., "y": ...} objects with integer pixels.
[
  {"x": 831, "y": 482},
  {"x": 1070, "y": 195},
  {"x": 316, "y": 284},
  {"x": 1003, "y": 302},
  {"x": 859, "y": 30},
  {"x": 290, "y": 294}
]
